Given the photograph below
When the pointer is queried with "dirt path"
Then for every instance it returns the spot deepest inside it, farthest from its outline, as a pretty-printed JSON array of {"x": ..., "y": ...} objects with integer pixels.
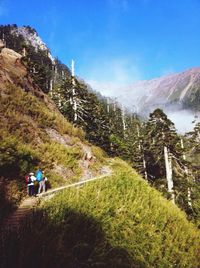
[
  {"x": 12, "y": 225},
  {"x": 13, "y": 222},
  {"x": 106, "y": 171}
]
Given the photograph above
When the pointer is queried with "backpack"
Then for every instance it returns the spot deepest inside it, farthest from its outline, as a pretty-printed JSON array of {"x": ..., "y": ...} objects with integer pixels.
[
  {"x": 28, "y": 179},
  {"x": 44, "y": 179},
  {"x": 39, "y": 175}
]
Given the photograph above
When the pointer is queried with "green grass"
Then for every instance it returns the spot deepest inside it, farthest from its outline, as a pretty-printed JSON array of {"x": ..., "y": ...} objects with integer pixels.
[
  {"x": 56, "y": 153},
  {"x": 25, "y": 144},
  {"x": 100, "y": 158},
  {"x": 26, "y": 110},
  {"x": 119, "y": 221}
]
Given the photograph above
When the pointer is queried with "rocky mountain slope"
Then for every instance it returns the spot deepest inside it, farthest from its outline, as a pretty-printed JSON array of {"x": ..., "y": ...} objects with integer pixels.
[
  {"x": 179, "y": 90},
  {"x": 121, "y": 220},
  {"x": 31, "y": 38},
  {"x": 33, "y": 133}
]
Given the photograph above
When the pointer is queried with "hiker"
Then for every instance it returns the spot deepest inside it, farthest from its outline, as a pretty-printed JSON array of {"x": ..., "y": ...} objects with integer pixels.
[
  {"x": 39, "y": 176},
  {"x": 27, "y": 182},
  {"x": 41, "y": 180},
  {"x": 30, "y": 179},
  {"x": 42, "y": 185}
]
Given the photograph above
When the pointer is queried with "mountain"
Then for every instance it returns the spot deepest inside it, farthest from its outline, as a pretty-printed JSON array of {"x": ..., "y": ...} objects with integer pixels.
[
  {"x": 177, "y": 94},
  {"x": 48, "y": 89},
  {"x": 32, "y": 38},
  {"x": 54, "y": 77},
  {"x": 40, "y": 63},
  {"x": 181, "y": 90},
  {"x": 34, "y": 133},
  {"x": 119, "y": 221}
]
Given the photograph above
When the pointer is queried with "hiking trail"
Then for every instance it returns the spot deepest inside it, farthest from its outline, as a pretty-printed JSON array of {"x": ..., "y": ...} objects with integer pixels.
[{"x": 13, "y": 222}]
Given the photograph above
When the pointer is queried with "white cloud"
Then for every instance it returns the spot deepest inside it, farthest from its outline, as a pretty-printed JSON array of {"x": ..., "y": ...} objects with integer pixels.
[
  {"x": 109, "y": 75},
  {"x": 183, "y": 120}
]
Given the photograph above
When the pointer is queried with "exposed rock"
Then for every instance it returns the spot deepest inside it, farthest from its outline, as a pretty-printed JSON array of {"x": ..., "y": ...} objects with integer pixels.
[
  {"x": 14, "y": 72},
  {"x": 32, "y": 38},
  {"x": 64, "y": 172},
  {"x": 10, "y": 54},
  {"x": 62, "y": 139}
]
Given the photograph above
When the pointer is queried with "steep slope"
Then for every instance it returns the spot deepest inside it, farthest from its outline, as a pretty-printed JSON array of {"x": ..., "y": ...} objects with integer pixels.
[
  {"x": 181, "y": 89},
  {"x": 33, "y": 133},
  {"x": 121, "y": 222},
  {"x": 31, "y": 38},
  {"x": 42, "y": 67},
  {"x": 116, "y": 222}
]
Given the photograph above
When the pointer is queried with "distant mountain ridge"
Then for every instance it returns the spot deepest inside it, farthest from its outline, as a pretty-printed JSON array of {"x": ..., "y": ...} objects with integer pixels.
[
  {"x": 178, "y": 92},
  {"x": 181, "y": 90}
]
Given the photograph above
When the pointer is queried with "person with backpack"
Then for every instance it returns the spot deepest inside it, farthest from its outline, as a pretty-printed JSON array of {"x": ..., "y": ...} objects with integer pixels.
[
  {"x": 27, "y": 180},
  {"x": 42, "y": 185},
  {"x": 30, "y": 179},
  {"x": 39, "y": 175},
  {"x": 40, "y": 180}
]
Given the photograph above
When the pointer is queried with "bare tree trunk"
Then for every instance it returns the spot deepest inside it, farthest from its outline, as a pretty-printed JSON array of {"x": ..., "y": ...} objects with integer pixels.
[
  {"x": 123, "y": 120},
  {"x": 198, "y": 133},
  {"x": 59, "y": 101},
  {"x": 114, "y": 106},
  {"x": 187, "y": 174},
  {"x": 3, "y": 39},
  {"x": 51, "y": 88},
  {"x": 75, "y": 106},
  {"x": 168, "y": 166},
  {"x": 74, "y": 102},
  {"x": 138, "y": 134},
  {"x": 140, "y": 149},
  {"x": 145, "y": 168},
  {"x": 24, "y": 52},
  {"x": 108, "y": 105},
  {"x": 56, "y": 69}
]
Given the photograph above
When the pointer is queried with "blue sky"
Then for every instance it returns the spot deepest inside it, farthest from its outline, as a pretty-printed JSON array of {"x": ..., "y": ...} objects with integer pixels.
[{"x": 114, "y": 41}]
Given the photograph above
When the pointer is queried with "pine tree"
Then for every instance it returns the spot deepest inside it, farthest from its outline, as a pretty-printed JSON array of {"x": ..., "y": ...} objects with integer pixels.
[
  {"x": 192, "y": 152},
  {"x": 163, "y": 154}
]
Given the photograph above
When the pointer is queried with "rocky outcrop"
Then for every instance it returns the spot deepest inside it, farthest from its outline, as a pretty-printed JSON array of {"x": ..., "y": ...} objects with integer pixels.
[{"x": 13, "y": 71}]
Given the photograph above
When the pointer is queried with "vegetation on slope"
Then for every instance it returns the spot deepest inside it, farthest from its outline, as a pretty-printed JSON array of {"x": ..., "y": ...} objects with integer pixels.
[
  {"x": 37, "y": 59},
  {"x": 106, "y": 123},
  {"x": 119, "y": 221},
  {"x": 26, "y": 144}
]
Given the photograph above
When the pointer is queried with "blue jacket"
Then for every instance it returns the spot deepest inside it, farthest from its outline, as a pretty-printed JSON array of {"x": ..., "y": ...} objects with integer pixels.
[{"x": 38, "y": 175}]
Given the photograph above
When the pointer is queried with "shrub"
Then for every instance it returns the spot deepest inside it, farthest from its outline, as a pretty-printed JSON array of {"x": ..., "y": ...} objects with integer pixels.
[
  {"x": 57, "y": 153},
  {"x": 16, "y": 158}
]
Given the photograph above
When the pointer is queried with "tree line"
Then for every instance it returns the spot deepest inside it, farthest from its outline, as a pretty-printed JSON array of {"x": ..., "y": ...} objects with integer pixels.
[
  {"x": 154, "y": 148},
  {"x": 167, "y": 160}
]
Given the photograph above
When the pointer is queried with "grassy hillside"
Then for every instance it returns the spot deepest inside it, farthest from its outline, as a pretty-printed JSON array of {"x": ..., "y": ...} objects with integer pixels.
[
  {"x": 119, "y": 221},
  {"x": 33, "y": 133}
]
